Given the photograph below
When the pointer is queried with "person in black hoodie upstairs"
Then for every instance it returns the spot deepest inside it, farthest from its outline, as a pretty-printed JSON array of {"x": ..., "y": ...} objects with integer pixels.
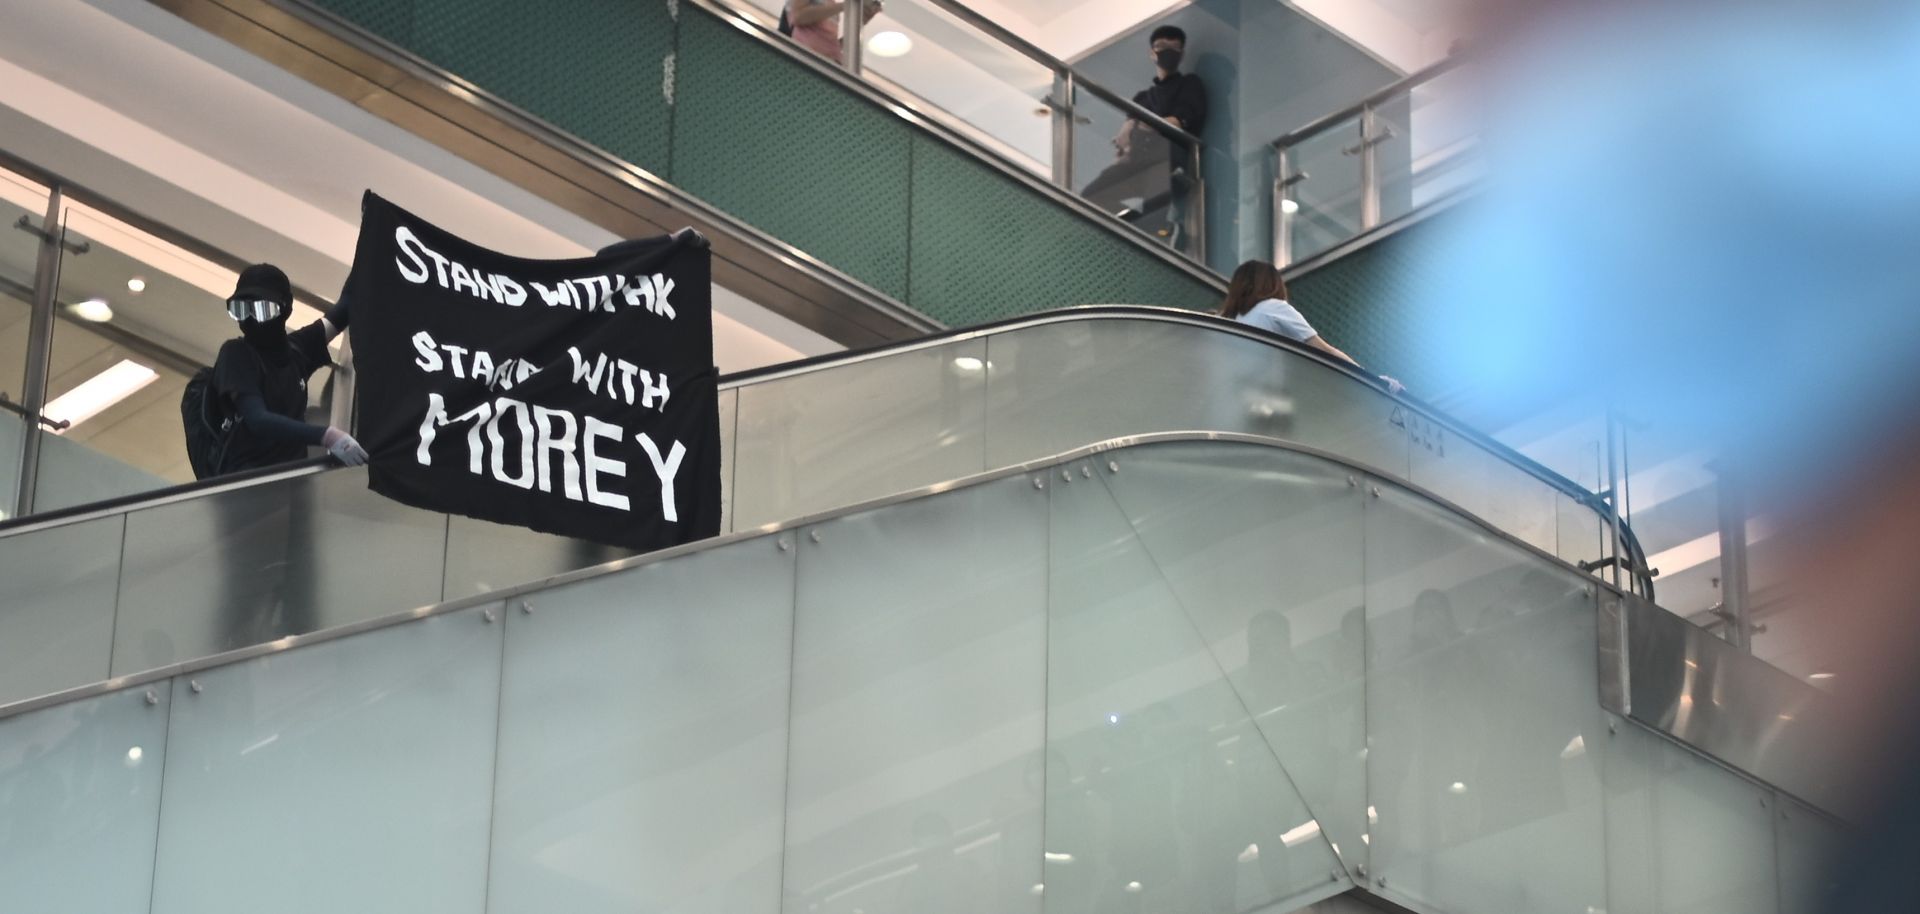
[
  {"x": 1148, "y": 167},
  {"x": 261, "y": 378}
]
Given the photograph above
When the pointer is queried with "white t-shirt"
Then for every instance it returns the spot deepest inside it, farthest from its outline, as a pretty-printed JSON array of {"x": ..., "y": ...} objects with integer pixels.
[{"x": 1276, "y": 315}]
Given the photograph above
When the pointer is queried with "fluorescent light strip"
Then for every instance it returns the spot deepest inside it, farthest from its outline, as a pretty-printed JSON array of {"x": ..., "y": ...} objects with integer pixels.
[{"x": 94, "y": 395}]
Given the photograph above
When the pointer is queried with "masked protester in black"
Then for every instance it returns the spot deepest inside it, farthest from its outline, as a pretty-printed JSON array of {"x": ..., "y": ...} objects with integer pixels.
[{"x": 262, "y": 377}]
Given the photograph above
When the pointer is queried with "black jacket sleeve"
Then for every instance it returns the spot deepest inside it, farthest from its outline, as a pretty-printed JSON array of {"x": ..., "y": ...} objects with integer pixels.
[{"x": 265, "y": 423}]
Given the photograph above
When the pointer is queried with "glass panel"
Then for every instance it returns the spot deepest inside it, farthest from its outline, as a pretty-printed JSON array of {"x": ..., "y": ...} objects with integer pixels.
[
  {"x": 19, "y": 256},
  {"x": 1433, "y": 150},
  {"x": 1326, "y": 198},
  {"x": 1263, "y": 549},
  {"x": 57, "y": 589},
  {"x": 1807, "y": 846},
  {"x": 1684, "y": 836},
  {"x": 643, "y": 732},
  {"x": 483, "y": 556},
  {"x": 1482, "y": 700},
  {"x": 1581, "y": 535},
  {"x": 916, "y": 773},
  {"x": 355, "y": 775},
  {"x": 1134, "y": 171},
  {"x": 135, "y": 318},
  {"x": 965, "y": 77},
  {"x": 80, "y": 784},
  {"x": 1487, "y": 486},
  {"x": 817, "y": 441},
  {"x": 1162, "y": 793},
  {"x": 1062, "y": 386},
  {"x": 241, "y": 567}
]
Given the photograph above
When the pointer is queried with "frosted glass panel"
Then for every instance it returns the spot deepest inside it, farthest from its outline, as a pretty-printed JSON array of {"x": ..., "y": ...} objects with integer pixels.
[
  {"x": 483, "y": 556},
  {"x": 1807, "y": 846},
  {"x": 729, "y": 417},
  {"x": 1482, "y": 702},
  {"x": 79, "y": 799},
  {"x": 1161, "y": 792},
  {"x": 1715, "y": 838},
  {"x": 817, "y": 441},
  {"x": 57, "y": 589},
  {"x": 1061, "y": 386},
  {"x": 1263, "y": 548},
  {"x": 249, "y": 565},
  {"x": 355, "y": 775},
  {"x": 919, "y": 707},
  {"x": 643, "y": 732}
]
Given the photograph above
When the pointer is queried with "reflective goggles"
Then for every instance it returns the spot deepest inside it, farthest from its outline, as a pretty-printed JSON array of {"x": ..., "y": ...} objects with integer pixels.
[{"x": 257, "y": 309}]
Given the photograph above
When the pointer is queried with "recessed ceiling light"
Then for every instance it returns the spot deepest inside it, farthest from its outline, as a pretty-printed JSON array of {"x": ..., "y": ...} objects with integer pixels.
[
  {"x": 97, "y": 393},
  {"x": 93, "y": 309},
  {"x": 889, "y": 44},
  {"x": 1821, "y": 676},
  {"x": 1289, "y": 206},
  {"x": 136, "y": 284}
]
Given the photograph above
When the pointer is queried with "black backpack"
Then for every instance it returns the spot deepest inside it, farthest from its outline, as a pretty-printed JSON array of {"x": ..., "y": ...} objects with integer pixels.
[{"x": 208, "y": 430}]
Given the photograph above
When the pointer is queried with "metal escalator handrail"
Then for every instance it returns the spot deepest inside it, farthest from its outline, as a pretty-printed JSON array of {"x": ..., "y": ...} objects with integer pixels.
[
  {"x": 507, "y": 594},
  {"x": 1142, "y": 313}
]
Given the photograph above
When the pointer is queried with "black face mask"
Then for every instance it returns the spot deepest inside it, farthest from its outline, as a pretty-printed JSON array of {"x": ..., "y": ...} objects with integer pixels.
[
  {"x": 269, "y": 337},
  {"x": 1168, "y": 59}
]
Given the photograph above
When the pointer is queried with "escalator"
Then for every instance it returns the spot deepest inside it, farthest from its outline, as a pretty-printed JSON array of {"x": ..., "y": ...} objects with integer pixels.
[{"x": 951, "y": 658}]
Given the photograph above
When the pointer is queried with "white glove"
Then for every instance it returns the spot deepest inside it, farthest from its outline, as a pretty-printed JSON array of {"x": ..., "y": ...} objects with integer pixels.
[{"x": 343, "y": 448}]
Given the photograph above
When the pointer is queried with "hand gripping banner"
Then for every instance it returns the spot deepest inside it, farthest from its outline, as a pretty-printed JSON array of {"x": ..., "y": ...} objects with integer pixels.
[{"x": 574, "y": 397}]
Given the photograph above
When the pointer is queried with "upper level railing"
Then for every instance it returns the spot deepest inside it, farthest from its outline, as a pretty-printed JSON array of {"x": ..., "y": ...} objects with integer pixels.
[
  {"x": 1388, "y": 155},
  {"x": 1025, "y": 104}
]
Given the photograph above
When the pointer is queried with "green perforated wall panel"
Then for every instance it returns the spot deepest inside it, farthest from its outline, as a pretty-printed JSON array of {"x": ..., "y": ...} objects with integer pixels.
[
  {"x": 785, "y": 149},
  {"x": 986, "y": 247},
  {"x": 593, "y": 68},
  {"x": 1368, "y": 303},
  {"x": 389, "y": 19}
]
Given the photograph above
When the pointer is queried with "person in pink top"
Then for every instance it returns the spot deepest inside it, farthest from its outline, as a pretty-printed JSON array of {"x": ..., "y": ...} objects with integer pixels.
[{"x": 815, "y": 24}]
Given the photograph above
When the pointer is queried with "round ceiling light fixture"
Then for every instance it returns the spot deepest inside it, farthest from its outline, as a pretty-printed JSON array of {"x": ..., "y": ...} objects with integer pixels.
[
  {"x": 136, "y": 285},
  {"x": 889, "y": 44}
]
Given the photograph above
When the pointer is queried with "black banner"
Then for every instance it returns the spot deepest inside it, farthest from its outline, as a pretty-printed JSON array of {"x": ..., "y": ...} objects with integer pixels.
[{"x": 570, "y": 396}]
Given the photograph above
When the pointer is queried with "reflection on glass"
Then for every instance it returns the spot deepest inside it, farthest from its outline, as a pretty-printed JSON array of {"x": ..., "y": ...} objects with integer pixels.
[
  {"x": 997, "y": 95},
  {"x": 135, "y": 317},
  {"x": 1325, "y": 190},
  {"x": 1129, "y": 169}
]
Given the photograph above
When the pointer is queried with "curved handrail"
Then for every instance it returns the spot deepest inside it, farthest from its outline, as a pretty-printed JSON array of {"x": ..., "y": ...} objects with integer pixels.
[
  {"x": 1141, "y": 313},
  {"x": 498, "y": 596}
]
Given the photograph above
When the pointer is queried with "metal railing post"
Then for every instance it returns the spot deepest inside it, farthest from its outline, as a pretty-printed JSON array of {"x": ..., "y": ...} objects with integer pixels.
[
  {"x": 1369, "y": 172},
  {"x": 1734, "y": 604},
  {"x": 853, "y": 22},
  {"x": 1196, "y": 205},
  {"x": 1282, "y": 220},
  {"x": 1062, "y": 105},
  {"x": 46, "y": 280}
]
